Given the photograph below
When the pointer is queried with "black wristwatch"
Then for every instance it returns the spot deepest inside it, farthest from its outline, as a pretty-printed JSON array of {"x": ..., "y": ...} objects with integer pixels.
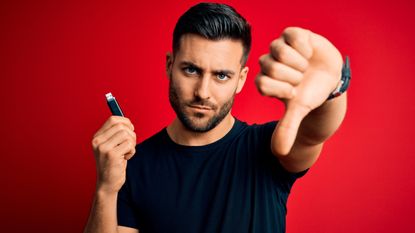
[{"x": 344, "y": 81}]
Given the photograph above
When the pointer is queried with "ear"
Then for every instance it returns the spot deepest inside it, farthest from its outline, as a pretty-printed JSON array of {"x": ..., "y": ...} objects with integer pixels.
[
  {"x": 242, "y": 79},
  {"x": 169, "y": 64}
]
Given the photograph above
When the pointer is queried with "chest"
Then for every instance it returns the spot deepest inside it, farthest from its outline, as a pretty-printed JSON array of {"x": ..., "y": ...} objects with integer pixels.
[{"x": 218, "y": 189}]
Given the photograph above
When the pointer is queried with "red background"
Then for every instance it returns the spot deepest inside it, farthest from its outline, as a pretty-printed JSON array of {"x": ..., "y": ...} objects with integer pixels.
[{"x": 59, "y": 58}]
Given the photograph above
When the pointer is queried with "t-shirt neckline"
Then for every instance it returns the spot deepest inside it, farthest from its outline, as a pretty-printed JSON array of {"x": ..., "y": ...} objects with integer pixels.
[{"x": 237, "y": 125}]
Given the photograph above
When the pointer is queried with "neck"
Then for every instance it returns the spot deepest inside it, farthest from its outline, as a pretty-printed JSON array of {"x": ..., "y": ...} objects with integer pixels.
[{"x": 183, "y": 136}]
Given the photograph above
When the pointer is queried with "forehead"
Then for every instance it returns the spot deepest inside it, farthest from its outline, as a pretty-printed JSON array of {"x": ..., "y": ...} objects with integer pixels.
[{"x": 223, "y": 53}]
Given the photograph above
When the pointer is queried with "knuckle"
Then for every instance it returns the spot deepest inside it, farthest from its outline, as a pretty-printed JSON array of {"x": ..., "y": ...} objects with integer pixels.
[
  {"x": 290, "y": 29},
  {"x": 291, "y": 34},
  {"x": 274, "y": 43},
  {"x": 124, "y": 133},
  {"x": 119, "y": 126},
  {"x": 259, "y": 81},
  {"x": 95, "y": 142},
  {"x": 102, "y": 148},
  {"x": 127, "y": 120},
  {"x": 133, "y": 143},
  {"x": 113, "y": 118},
  {"x": 282, "y": 53},
  {"x": 262, "y": 59},
  {"x": 277, "y": 49},
  {"x": 299, "y": 41},
  {"x": 274, "y": 69},
  {"x": 130, "y": 155},
  {"x": 128, "y": 144},
  {"x": 274, "y": 46}
]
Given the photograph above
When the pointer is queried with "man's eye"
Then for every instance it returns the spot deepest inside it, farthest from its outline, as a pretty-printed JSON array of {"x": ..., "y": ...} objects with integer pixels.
[
  {"x": 190, "y": 70},
  {"x": 223, "y": 77}
]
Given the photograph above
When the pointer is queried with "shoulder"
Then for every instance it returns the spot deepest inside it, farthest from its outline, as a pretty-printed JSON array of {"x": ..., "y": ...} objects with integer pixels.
[
  {"x": 154, "y": 140},
  {"x": 260, "y": 132},
  {"x": 264, "y": 128}
]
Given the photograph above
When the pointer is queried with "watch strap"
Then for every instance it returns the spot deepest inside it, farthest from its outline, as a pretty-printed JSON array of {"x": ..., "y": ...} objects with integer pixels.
[{"x": 344, "y": 81}]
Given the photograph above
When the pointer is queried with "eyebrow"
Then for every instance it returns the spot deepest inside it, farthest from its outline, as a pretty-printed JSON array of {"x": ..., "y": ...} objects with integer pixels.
[{"x": 191, "y": 64}]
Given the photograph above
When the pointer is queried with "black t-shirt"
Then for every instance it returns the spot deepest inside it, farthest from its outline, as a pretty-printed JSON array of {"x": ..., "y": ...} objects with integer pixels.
[{"x": 232, "y": 185}]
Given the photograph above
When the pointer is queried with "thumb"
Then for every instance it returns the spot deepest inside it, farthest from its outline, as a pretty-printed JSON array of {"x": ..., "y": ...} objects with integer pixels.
[{"x": 286, "y": 131}]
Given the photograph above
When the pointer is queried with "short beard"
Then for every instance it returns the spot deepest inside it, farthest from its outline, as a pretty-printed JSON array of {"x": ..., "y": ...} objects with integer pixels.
[{"x": 178, "y": 107}]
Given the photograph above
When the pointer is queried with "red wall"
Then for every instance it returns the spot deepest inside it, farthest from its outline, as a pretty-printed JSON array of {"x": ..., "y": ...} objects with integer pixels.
[{"x": 59, "y": 58}]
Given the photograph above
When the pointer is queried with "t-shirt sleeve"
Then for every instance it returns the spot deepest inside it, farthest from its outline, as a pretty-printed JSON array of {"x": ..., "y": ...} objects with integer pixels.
[
  {"x": 281, "y": 176},
  {"x": 126, "y": 214}
]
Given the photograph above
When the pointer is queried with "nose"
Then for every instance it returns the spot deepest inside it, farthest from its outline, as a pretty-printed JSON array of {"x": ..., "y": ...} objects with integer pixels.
[{"x": 202, "y": 90}]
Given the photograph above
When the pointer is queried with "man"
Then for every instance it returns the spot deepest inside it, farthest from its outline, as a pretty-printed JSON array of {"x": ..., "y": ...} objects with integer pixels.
[{"x": 207, "y": 171}]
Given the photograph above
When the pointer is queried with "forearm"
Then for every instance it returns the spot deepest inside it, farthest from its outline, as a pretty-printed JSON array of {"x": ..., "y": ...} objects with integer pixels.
[
  {"x": 323, "y": 121},
  {"x": 103, "y": 216}
]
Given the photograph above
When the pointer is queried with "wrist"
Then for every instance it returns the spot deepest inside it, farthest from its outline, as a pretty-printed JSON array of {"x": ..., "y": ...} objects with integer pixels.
[
  {"x": 105, "y": 197},
  {"x": 103, "y": 192}
]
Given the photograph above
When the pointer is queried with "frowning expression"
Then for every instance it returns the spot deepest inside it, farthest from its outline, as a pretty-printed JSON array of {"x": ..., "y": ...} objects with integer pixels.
[{"x": 205, "y": 76}]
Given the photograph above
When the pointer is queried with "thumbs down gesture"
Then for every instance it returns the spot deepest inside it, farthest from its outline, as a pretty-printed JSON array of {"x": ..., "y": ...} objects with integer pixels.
[{"x": 301, "y": 69}]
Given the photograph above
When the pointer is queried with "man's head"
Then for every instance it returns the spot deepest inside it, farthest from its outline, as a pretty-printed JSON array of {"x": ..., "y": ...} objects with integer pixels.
[
  {"x": 214, "y": 21},
  {"x": 211, "y": 43}
]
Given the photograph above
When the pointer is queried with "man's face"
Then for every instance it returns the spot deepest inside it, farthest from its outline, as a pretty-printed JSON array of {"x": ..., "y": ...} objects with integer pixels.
[{"x": 204, "y": 77}]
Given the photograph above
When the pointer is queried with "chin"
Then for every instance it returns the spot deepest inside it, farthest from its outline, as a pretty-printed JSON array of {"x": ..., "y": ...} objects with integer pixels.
[{"x": 199, "y": 123}]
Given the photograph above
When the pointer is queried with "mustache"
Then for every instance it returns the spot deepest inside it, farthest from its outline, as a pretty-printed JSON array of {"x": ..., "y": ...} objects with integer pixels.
[{"x": 201, "y": 102}]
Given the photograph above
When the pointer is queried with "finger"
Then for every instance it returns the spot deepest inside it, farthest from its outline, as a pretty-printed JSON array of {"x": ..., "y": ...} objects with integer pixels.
[
  {"x": 105, "y": 136},
  {"x": 299, "y": 39},
  {"x": 112, "y": 120},
  {"x": 287, "y": 129},
  {"x": 126, "y": 148},
  {"x": 279, "y": 71},
  {"x": 274, "y": 88},
  {"x": 284, "y": 53},
  {"x": 118, "y": 138},
  {"x": 115, "y": 128}
]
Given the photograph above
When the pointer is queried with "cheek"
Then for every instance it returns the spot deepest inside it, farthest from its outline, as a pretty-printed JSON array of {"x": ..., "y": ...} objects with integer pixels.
[
  {"x": 225, "y": 93},
  {"x": 182, "y": 87}
]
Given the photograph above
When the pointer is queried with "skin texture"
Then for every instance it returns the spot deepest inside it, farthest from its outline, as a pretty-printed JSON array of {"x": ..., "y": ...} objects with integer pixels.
[
  {"x": 204, "y": 75},
  {"x": 301, "y": 69},
  {"x": 193, "y": 121},
  {"x": 113, "y": 144}
]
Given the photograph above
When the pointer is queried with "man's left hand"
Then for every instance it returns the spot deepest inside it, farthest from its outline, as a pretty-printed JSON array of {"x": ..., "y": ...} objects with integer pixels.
[{"x": 302, "y": 69}]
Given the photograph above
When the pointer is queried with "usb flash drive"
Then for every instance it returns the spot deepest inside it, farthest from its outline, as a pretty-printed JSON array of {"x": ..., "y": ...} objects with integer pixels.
[{"x": 114, "y": 107}]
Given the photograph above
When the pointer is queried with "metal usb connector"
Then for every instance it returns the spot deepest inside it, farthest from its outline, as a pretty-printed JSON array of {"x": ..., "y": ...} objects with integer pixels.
[{"x": 113, "y": 105}]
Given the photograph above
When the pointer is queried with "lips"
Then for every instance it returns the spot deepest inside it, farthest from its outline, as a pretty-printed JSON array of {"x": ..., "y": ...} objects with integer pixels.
[{"x": 201, "y": 107}]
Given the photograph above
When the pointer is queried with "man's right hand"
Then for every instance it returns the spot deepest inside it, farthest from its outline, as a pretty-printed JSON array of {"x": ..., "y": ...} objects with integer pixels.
[{"x": 113, "y": 144}]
